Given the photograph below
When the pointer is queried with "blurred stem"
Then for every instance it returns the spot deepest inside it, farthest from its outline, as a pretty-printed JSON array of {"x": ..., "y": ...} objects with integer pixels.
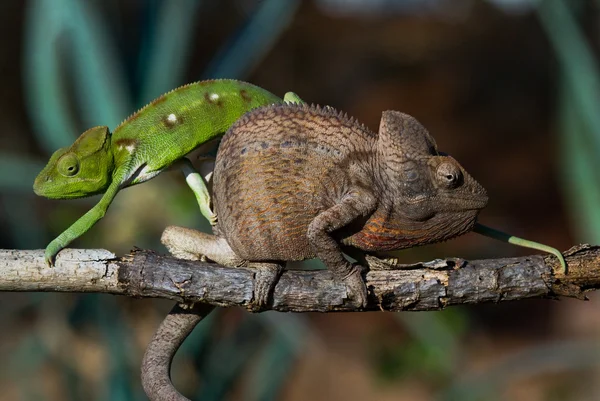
[
  {"x": 100, "y": 79},
  {"x": 244, "y": 52},
  {"x": 579, "y": 117},
  {"x": 579, "y": 180},
  {"x": 47, "y": 101},
  {"x": 577, "y": 60},
  {"x": 168, "y": 48}
]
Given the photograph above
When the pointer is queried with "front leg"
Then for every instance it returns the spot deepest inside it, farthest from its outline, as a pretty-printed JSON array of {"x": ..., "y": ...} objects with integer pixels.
[
  {"x": 82, "y": 225},
  {"x": 356, "y": 204},
  {"x": 198, "y": 186}
]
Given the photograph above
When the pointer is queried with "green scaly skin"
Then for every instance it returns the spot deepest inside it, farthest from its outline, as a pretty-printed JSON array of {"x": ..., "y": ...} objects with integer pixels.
[{"x": 153, "y": 139}]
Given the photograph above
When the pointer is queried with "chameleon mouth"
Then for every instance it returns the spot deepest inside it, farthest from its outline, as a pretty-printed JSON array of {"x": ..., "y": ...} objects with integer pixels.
[
  {"x": 42, "y": 186},
  {"x": 477, "y": 203},
  {"x": 39, "y": 185},
  {"x": 466, "y": 202}
]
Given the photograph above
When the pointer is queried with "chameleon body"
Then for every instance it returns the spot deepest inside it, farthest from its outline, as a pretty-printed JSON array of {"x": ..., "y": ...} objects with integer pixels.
[
  {"x": 293, "y": 182},
  {"x": 156, "y": 137}
]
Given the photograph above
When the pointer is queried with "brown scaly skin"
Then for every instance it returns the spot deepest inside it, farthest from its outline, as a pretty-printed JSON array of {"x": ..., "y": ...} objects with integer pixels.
[{"x": 293, "y": 182}]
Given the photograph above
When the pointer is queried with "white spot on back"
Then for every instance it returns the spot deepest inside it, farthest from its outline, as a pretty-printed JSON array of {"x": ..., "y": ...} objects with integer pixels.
[
  {"x": 172, "y": 118},
  {"x": 214, "y": 96},
  {"x": 129, "y": 148}
]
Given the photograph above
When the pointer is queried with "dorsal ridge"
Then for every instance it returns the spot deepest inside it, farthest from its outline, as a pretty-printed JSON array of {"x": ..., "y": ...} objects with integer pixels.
[{"x": 291, "y": 108}]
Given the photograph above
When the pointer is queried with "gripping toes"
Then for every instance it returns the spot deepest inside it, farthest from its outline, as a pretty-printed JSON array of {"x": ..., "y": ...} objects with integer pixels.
[
  {"x": 267, "y": 275},
  {"x": 356, "y": 286}
]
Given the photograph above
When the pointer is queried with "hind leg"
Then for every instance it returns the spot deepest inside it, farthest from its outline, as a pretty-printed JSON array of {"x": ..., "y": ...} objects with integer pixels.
[
  {"x": 198, "y": 186},
  {"x": 185, "y": 243},
  {"x": 267, "y": 275}
]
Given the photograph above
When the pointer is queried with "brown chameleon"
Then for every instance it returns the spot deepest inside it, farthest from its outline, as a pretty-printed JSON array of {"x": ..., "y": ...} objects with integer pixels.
[{"x": 294, "y": 182}]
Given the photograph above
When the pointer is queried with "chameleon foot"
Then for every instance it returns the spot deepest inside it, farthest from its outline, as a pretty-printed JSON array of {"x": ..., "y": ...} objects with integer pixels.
[
  {"x": 49, "y": 257},
  {"x": 212, "y": 219},
  {"x": 52, "y": 250},
  {"x": 357, "y": 289},
  {"x": 267, "y": 275},
  {"x": 205, "y": 210},
  {"x": 291, "y": 97}
]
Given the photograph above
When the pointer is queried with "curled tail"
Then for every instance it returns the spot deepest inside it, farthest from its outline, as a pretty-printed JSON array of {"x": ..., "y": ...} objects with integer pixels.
[{"x": 156, "y": 365}]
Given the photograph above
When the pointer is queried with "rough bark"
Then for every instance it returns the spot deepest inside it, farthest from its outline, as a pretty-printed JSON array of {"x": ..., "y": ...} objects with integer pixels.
[{"x": 392, "y": 287}]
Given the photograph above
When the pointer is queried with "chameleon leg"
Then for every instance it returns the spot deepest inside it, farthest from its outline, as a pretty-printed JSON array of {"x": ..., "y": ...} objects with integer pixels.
[
  {"x": 198, "y": 186},
  {"x": 207, "y": 167},
  {"x": 185, "y": 243},
  {"x": 499, "y": 235},
  {"x": 291, "y": 97},
  {"x": 84, "y": 223},
  {"x": 267, "y": 275},
  {"x": 356, "y": 204}
]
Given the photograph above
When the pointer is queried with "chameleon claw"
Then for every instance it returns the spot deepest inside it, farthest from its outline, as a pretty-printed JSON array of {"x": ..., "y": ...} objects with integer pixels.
[
  {"x": 211, "y": 217},
  {"x": 357, "y": 289},
  {"x": 511, "y": 239},
  {"x": 49, "y": 257}
]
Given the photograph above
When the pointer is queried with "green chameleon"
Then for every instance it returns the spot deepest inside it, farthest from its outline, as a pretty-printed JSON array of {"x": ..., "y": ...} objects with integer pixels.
[{"x": 153, "y": 139}]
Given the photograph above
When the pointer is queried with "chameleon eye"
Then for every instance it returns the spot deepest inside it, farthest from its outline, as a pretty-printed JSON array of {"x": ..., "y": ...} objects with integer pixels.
[
  {"x": 449, "y": 175},
  {"x": 68, "y": 165},
  {"x": 411, "y": 175},
  {"x": 409, "y": 171}
]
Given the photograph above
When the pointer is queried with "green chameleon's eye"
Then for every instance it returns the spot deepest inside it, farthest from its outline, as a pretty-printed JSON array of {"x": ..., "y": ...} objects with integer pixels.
[{"x": 68, "y": 165}]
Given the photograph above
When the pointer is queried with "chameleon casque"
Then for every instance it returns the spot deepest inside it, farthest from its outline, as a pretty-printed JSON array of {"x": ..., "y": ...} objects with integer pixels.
[
  {"x": 153, "y": 139},
  {"x": 293, "y": 182}
]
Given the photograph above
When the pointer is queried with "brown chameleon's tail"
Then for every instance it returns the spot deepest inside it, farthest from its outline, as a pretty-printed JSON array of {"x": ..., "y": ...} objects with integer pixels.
[{"x": 156, "y": 365}]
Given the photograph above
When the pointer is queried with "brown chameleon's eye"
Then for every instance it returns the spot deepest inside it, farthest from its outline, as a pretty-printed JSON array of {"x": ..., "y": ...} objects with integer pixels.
[
  {"x": 68, "y": 165},
  {"x": 449, "y": 175}
]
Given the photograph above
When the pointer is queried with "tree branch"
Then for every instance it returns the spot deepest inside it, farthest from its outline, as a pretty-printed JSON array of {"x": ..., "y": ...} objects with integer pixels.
[{"x": 392, "y": 287}]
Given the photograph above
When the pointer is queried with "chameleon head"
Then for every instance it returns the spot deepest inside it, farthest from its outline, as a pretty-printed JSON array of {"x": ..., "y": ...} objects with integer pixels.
[
  {"x": 431, "y": 194},
  {"x": 83, "y": 169}
]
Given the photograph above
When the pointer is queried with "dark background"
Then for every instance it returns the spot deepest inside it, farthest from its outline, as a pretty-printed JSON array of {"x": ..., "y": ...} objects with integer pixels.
[{"x": 509, "y": 88}]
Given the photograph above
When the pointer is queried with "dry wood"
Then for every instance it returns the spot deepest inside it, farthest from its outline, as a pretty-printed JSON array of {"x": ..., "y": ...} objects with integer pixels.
[{"x": 392, "y": 287}]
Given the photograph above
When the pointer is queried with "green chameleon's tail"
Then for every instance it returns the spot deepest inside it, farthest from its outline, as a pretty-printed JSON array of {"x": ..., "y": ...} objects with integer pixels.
[{"x": 511, "y": 239}]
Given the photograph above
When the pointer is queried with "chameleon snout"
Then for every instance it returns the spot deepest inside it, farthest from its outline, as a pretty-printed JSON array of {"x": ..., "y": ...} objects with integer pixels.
[
  {"x": 38, "y": 184},
  {"x": 42, "y": 186}
]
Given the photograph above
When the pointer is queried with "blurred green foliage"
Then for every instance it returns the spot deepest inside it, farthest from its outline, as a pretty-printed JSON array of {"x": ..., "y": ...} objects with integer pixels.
[{"x": 76, "y": 76}]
